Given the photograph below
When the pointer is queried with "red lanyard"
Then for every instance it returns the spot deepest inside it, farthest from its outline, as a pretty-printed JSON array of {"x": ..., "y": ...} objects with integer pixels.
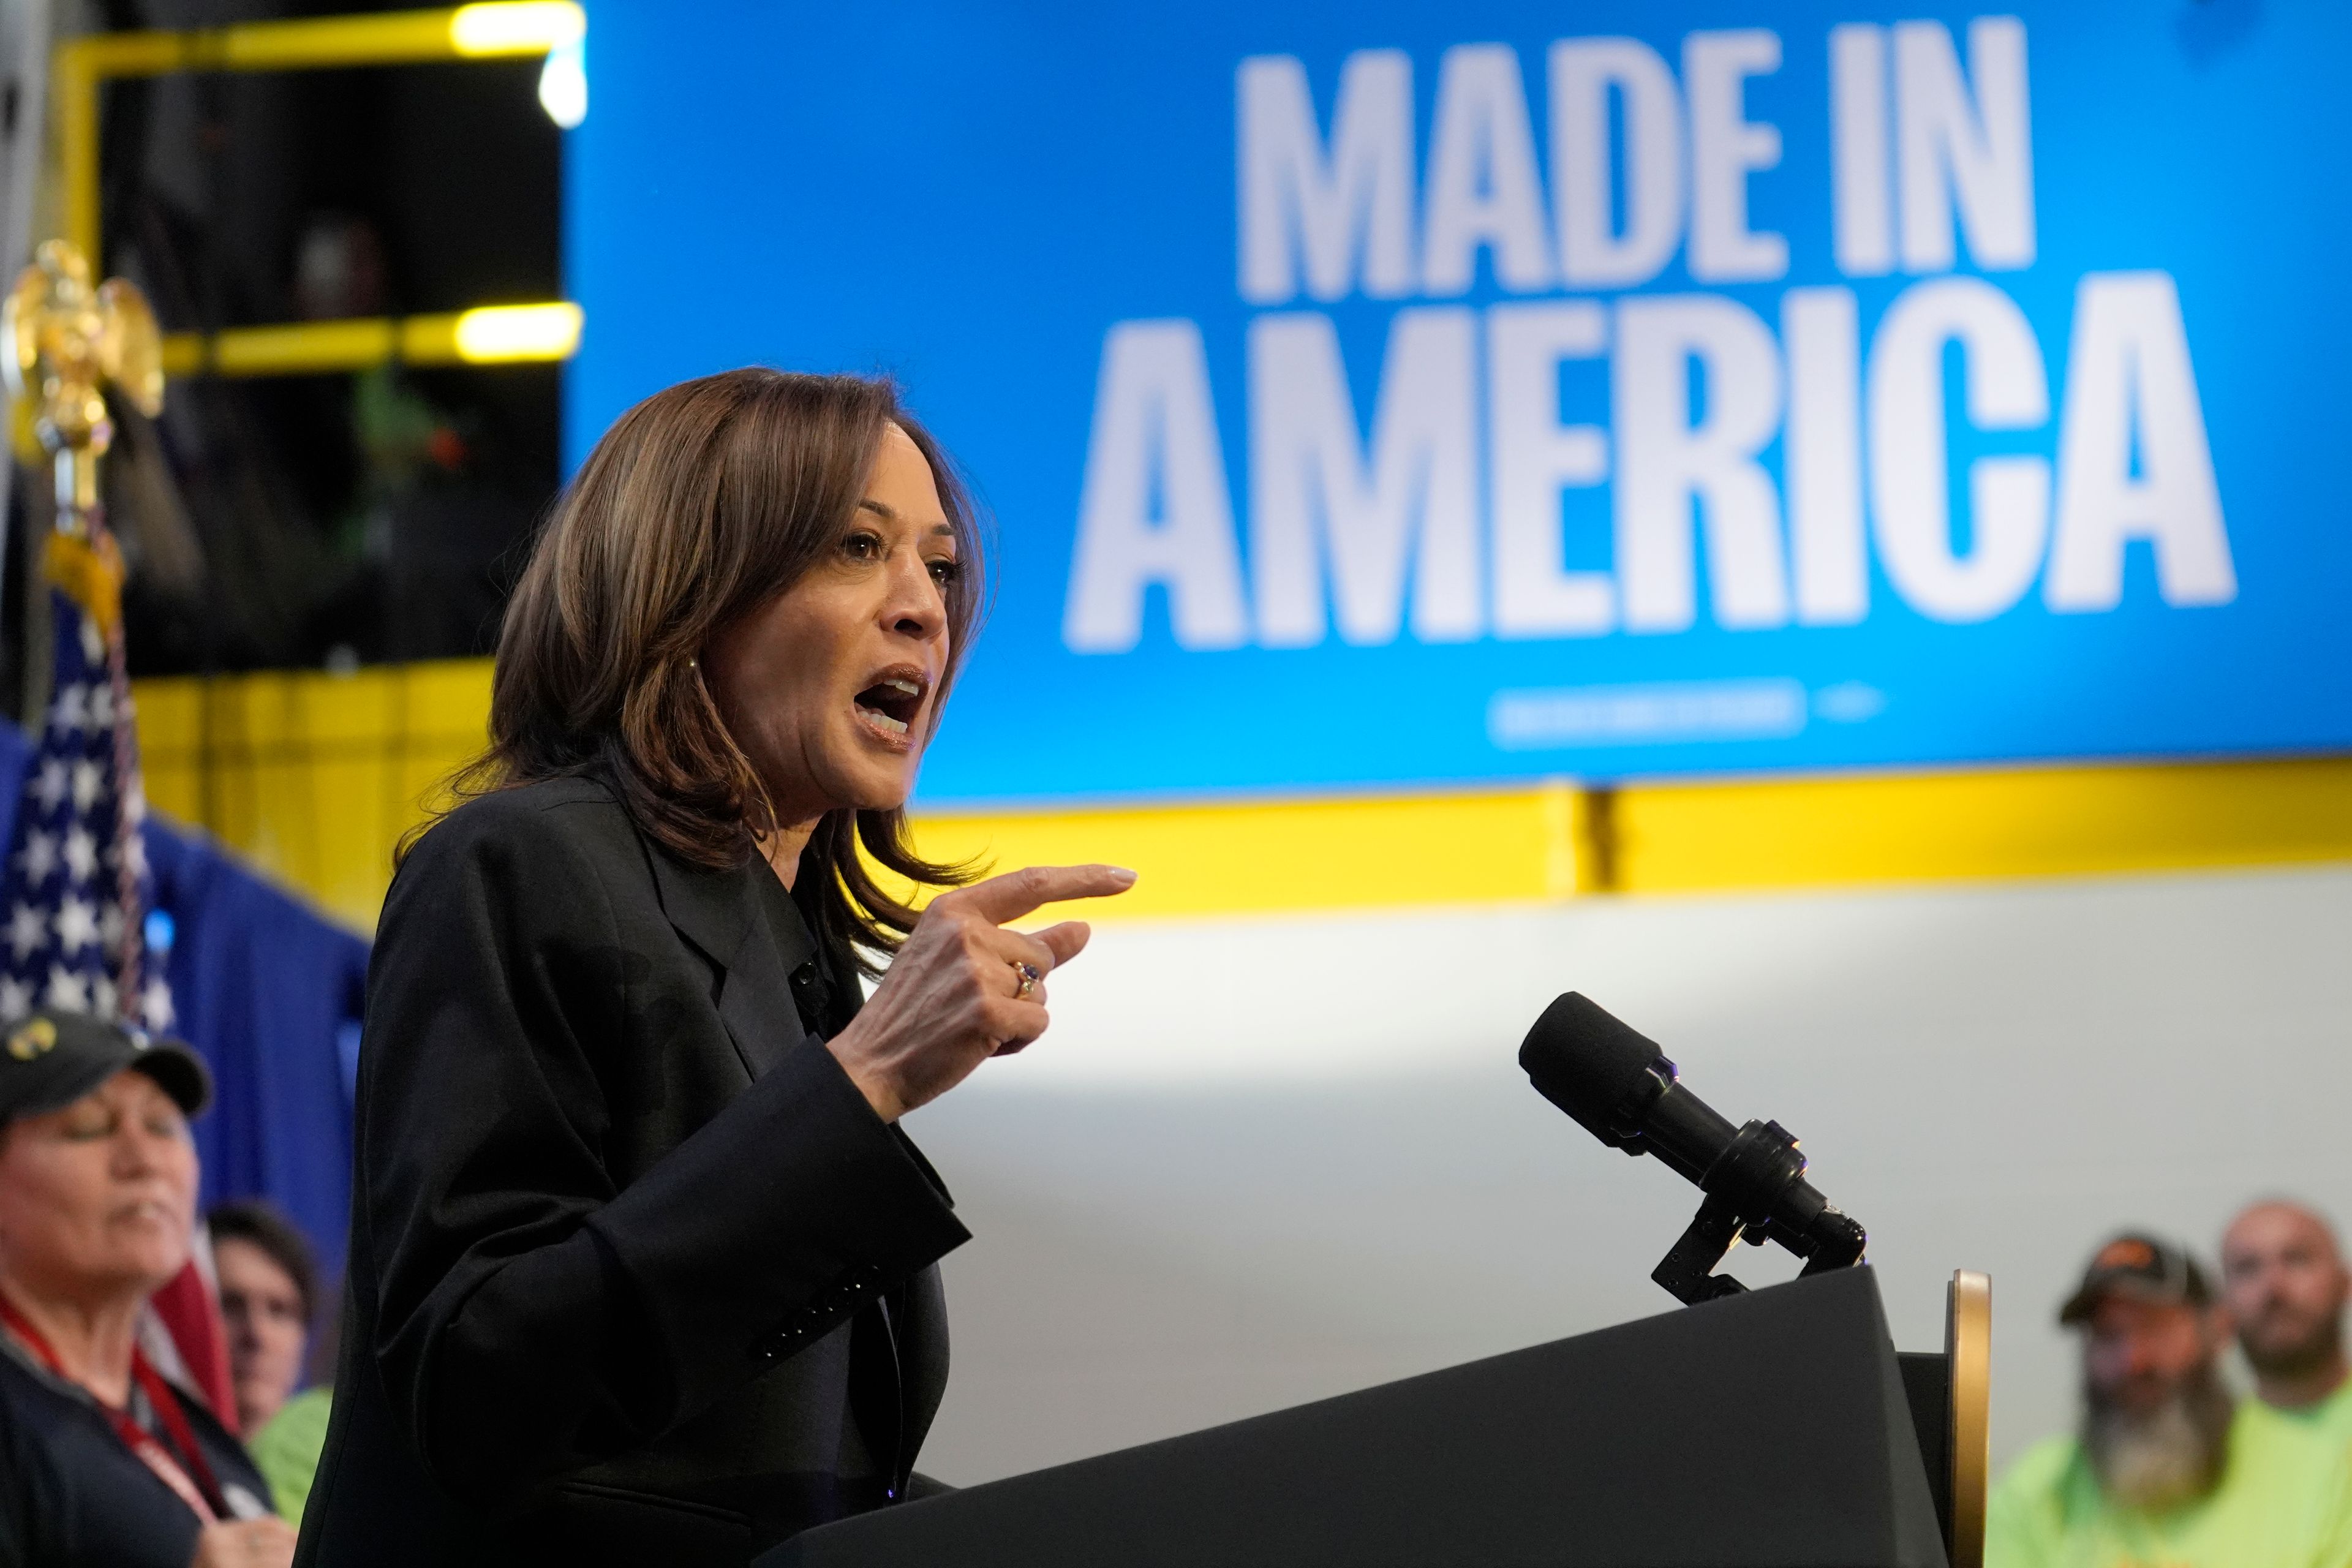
[{"x": 201, "y": 1493}]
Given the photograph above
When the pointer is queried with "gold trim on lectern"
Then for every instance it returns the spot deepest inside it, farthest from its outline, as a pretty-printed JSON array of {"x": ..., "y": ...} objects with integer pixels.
[{"x": 1967, "y": 1351}]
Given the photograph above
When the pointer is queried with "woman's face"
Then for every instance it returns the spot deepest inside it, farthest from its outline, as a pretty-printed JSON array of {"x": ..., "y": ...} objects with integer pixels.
[
  {"x": 832, "y": 687},
  {"x": 99, "y": 1198}
]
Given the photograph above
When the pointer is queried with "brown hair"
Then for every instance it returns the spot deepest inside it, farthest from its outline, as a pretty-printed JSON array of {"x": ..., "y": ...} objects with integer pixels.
[
  {"x": 700, "y": 504},
  {"x": 260, "y": 1221}
]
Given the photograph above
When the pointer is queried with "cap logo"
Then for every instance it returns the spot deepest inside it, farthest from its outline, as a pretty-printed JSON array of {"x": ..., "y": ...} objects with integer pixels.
[
  {"x": 33, "y": 1040},
  {"x": 2128, "y": 1253}
]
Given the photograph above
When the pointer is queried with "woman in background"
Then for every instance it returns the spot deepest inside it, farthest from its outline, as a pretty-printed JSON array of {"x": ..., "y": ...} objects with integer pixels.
[
  {"x": 102, "y": 1459},
  {"x": 642, "y": 1266}
]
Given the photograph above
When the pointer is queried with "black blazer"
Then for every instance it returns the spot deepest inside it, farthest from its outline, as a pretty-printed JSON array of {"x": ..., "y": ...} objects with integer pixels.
[{"x": 636, "y": 1275}]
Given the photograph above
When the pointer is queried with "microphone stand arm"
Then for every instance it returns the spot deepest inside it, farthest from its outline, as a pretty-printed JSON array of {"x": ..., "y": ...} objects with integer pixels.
[
  {"x": 1755, "y": 1191},
  {"x": 1688, "y": 1271}
]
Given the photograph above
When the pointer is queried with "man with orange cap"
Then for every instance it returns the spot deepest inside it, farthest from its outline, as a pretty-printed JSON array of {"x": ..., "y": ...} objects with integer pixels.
[{"x": 2166, "y": 1469}]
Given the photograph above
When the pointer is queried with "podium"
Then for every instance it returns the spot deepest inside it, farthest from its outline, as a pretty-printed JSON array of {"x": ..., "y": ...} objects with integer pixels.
[{"x": 1777, "y": 1428}]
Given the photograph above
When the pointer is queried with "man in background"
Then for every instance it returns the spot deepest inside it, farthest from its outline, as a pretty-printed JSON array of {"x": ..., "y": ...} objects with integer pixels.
[
  {"x": 2284, "y": 1283},
  {"x": 269, "y": 1292},
  {"x": 2166, "y": 1468},
  {"x": 270, "y": 1301}
]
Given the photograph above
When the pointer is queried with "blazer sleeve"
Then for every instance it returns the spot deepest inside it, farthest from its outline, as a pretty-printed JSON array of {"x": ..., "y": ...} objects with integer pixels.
[{"x": 531, "y": 1318}]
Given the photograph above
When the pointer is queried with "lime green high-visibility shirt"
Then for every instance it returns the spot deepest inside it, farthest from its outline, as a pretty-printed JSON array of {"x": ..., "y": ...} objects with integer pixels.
[
  {"x": 2332, "y": 1416},
  {"x": 286, "y": 1451},
  {"x": 2284, "y": 1501}
]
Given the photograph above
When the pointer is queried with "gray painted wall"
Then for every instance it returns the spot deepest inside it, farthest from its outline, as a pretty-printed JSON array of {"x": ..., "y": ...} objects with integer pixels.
[{"x": 1259, "y": 1161}]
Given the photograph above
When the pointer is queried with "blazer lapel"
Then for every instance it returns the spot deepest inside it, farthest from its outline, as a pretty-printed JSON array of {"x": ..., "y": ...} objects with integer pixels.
[{"x": 719, "y": 913}]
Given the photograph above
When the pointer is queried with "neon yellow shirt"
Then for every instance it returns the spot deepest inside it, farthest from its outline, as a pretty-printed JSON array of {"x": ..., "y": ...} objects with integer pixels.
[
  {"x": 286, "y": 1451},
  {"x": 2284, "y": 1501},
  {"x": 2332, "y": 1416}
]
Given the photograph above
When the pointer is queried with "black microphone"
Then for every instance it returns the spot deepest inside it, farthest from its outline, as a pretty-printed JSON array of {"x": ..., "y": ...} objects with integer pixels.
[{"x": 1620, "y": 1086}]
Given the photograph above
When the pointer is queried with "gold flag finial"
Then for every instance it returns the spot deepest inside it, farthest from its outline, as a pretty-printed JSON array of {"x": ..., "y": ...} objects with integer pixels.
[{"x": 62, "y": 343}]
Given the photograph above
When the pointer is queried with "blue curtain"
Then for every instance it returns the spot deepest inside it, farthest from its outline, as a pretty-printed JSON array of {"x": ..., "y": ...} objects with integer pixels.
[{"x": 269, "y": 993}]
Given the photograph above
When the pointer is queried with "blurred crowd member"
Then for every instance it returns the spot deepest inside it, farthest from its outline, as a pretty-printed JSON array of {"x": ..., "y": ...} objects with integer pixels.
[
  {"x": 101, "y": 1460},
  {"x": 270, "y": 1296},
  {"x": 269, "y": 1292},
  {"x": 2167, "y": 1469},
  {"x": 2284, "y": 1283}
]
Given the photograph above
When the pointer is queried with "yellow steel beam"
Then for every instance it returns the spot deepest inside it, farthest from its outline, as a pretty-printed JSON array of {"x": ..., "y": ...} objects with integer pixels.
[
  {"x": 1540, "y": 842},
  {"x": 2052, "y": 820},
  {"x": 379, "y": 38},
  {"x": 314, "y": 775},
  {"x": 73, "y": 99},
  {"x": 388, "y": 38},
  {"x": 495, "y": 334}
]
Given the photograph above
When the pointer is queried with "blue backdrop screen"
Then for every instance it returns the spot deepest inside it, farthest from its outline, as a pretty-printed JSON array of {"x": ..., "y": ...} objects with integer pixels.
[{"x": 1386, "y": 393}]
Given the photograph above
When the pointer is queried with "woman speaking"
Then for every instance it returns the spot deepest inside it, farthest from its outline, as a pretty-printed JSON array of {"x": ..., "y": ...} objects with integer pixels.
[{"x": 642, "y": 1267}]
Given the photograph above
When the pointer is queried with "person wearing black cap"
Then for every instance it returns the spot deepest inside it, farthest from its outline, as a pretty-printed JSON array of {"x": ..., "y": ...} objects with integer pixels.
[
  {"x": 2166, "y": 1468},
  {"x": 101, "y": 1460}
]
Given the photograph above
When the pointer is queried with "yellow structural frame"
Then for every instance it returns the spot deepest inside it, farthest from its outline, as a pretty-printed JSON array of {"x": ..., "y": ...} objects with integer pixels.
[
  {"x": 313, "y": 777},
  {"x": 499, "y": 334}
]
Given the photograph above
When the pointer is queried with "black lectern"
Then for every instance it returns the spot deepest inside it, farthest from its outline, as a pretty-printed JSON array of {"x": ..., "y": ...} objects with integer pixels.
[{"x": 1765, "y": 1430}]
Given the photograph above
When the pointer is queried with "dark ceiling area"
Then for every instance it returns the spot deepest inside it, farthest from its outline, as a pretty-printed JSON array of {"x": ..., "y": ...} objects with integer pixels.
[{"x": 354, "y": 518}]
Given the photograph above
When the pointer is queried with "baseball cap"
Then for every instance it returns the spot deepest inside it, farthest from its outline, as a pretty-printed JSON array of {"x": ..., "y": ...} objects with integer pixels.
[
  {"x": 2142, "y": 1266},
  {"x": 51, "y": 1060}
]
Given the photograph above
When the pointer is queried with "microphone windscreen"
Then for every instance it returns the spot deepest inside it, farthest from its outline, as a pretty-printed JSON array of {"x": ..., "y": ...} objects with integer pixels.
[{"x": 1586, "y": 1062}]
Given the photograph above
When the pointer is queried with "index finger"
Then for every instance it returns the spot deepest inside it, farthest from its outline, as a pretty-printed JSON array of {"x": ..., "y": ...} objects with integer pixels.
[{"x": 1015, "y": 893}]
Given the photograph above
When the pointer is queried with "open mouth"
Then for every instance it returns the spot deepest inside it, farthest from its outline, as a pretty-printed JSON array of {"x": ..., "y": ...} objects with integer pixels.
[{"x": 890, "y": 706}]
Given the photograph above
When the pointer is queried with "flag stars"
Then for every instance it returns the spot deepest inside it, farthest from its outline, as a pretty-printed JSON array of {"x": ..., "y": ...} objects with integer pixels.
[
  {"x": 81, "y": 853},
  {"x": 77, "y": 924},
  {"x": 49, "y": 788},
  {"x": 28, "y": 931},
  {"x": 68, "y": 992},
  {"x": 70, "y": 712},
  {"x": 39, "y": 857},
  {"x": 77, "y": 871},
  {"x": 89, "y": 782}
]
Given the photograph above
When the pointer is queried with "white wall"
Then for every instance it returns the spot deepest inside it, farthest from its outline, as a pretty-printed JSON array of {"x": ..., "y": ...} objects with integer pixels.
[{"x": 1262, "y": 1162}]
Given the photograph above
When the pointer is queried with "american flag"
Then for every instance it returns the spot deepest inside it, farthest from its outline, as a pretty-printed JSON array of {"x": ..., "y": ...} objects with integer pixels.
[{"x": 76, "y": 886}]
